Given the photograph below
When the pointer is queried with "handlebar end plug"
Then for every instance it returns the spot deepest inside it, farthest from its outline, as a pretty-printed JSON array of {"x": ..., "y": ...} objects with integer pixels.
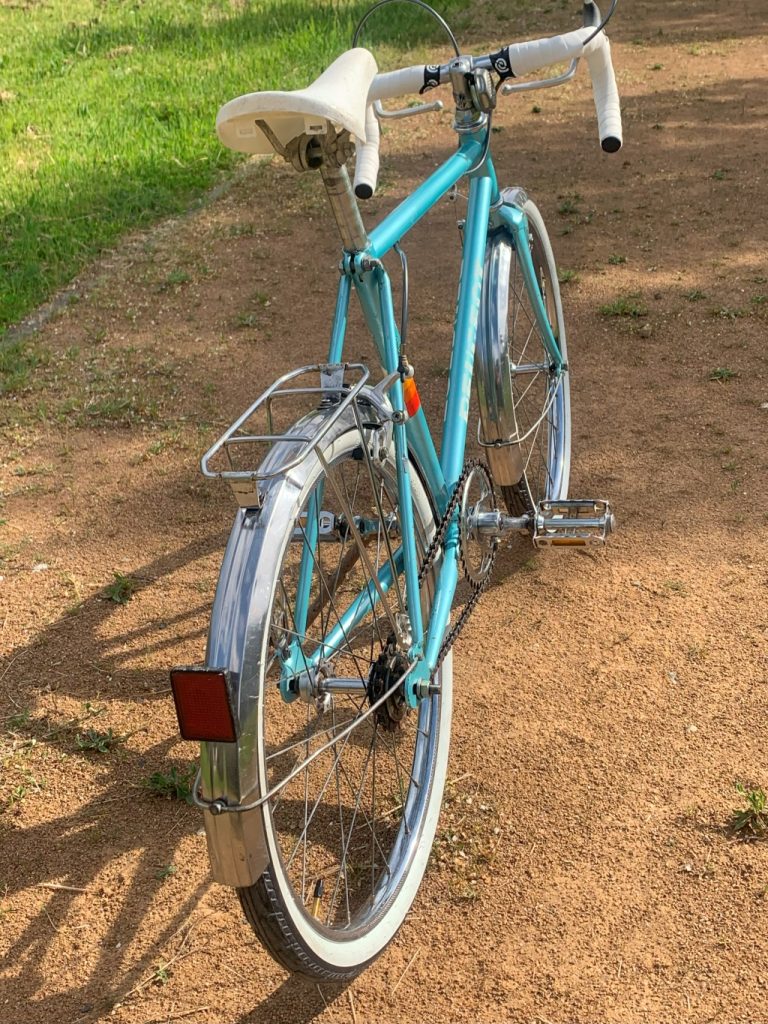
[{"x": 611, "y": 144}]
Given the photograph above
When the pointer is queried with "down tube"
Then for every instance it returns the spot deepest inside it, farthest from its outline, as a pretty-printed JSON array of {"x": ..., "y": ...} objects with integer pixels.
[
  {"x": 465, "y": 331},
  {"x": 459, "y": 388}
]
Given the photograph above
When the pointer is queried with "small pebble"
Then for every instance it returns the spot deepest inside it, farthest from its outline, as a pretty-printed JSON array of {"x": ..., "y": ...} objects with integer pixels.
[
  {"x": 645, "y": 331},
  {"x": 40, "y": 567},
  {"x": 691, "y": 729}
]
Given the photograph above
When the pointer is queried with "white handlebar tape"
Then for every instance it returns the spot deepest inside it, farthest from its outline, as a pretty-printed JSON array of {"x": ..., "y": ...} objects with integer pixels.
[
  {"x": 607, "y": 105},
  {"x": 538, "y": 53},
  {"x": 388, "y": 85},
  {"x": 367, "y": 157}
]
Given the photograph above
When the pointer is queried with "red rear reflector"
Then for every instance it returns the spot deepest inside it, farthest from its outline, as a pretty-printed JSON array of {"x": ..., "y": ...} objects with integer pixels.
[{"x": 202, "y": 703}]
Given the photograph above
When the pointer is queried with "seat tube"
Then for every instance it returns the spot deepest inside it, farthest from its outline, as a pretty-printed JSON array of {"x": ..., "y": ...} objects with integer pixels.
[{"x": 403, "y": 467}]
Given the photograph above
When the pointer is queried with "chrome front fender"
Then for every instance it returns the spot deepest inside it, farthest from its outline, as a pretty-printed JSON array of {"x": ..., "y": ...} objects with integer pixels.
[{"x": 493, "y": 378}]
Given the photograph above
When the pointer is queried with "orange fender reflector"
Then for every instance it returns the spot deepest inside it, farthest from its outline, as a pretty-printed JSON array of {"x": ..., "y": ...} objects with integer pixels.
[{"x": 411, "y": 396}]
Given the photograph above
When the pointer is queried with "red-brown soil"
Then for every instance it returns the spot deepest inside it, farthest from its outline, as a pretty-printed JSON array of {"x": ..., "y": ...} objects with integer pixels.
[{"x": 606, "y": 702}]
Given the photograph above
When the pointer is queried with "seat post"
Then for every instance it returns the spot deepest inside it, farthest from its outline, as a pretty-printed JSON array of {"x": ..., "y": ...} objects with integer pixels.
[{"x": 344, "y": 205}]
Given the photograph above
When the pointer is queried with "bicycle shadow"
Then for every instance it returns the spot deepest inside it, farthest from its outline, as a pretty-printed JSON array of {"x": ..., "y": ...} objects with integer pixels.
[
  {"x": 297, "y": 999},
  {"x": 100, "y": 865}
]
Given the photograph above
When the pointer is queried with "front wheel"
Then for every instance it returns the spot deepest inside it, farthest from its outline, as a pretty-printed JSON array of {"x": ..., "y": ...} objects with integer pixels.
[
  {"x": 524, "y": 401},
  {"x": 349, "y": 837}
]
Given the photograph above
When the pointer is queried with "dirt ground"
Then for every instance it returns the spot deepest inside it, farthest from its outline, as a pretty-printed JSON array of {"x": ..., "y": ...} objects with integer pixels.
[{"x": 606, "y": 702}]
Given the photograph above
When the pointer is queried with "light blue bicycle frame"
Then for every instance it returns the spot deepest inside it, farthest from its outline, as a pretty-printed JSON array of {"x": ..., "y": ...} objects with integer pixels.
[{"x": 486, "y": 210}]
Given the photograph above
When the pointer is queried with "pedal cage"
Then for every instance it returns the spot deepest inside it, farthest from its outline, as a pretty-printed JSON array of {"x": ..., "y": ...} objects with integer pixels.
[{"x": 572, "y": 523}]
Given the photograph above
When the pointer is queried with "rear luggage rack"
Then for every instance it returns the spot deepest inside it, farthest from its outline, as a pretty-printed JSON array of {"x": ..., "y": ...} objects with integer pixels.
[{"x": 332, "y": 390}]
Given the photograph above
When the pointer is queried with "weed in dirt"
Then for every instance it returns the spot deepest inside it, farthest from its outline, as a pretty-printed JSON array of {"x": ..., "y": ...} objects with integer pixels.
[
  {"x": 759, "y": 300},
  {"x": 535, "y": 109},
  {"x": 167, "y": 871},
  {"x": 676, "y": 586},
  {"x": 722, "y": 374},
  {"x": 16, "y": 796},
  {"x": 696, "y": 653},
  {"x": 17, "y": 362},
  {"x": 247, "y": 319},
  {"x": 20, "y": 792},
  {"x": 616, "y": 259},
  {"x": 719, "y": 175},
  {"x": 625, "y": 305},
  {"x": 100, "y": 742},
  {"x": 175, "y": 784},
  {"x": 244, "y": 230},
  {"x": 18, "y": 721},
  {"x": 162, "y": 974},
  {"x": 122, "y": 386},
  {"x": 695, "y": 295},
  {"x": 465, "y": 848},
  {"x": 750, "y": 822},
  {"x": 175, "y": 279},
  {"x": 123, "y": 588},
  {"x": 569, "y": 204},
  {"x": 568, "y": 276},
  {"x": 33, "y": 471},
  {"x": 728, "y": 313}
]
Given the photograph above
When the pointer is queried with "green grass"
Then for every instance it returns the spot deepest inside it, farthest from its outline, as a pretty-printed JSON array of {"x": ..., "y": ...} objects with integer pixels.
[{"x": 107, "y": 111}]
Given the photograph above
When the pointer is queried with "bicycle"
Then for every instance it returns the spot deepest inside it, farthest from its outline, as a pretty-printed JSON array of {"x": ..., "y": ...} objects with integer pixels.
[{"x": 324, "y": 705}]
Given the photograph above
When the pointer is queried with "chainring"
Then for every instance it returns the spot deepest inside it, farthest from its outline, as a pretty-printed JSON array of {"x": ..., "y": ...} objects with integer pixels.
[{"x": 477, "y": 550}]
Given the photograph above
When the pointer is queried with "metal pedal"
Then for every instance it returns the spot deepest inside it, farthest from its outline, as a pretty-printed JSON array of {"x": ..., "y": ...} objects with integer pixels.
[{"x": 573, "y": 522}]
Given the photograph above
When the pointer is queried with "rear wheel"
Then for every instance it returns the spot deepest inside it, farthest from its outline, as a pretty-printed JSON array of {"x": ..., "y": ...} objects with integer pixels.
[{"x": 349, "y": 836}]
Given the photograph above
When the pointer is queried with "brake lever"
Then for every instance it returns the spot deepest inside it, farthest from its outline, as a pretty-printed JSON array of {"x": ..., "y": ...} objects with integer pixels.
[
  {"x": 546, "y": 83},
  {"x": 391, "y": 115}
]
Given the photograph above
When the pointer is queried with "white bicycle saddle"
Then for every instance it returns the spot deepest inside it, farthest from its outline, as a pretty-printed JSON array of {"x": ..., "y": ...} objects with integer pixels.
[{"x": 339, "y": 96}]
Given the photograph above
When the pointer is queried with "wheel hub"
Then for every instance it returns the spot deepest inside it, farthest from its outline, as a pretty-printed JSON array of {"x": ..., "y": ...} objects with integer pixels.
[{"x": 390, "y": 666}]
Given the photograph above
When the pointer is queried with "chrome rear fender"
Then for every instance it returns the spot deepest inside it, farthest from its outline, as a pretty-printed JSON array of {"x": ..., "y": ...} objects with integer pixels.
[{"x": 238, "y": 637}]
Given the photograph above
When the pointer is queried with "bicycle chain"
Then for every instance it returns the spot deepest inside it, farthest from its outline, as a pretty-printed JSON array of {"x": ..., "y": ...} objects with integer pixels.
[{"x": 431, "y": 555}]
